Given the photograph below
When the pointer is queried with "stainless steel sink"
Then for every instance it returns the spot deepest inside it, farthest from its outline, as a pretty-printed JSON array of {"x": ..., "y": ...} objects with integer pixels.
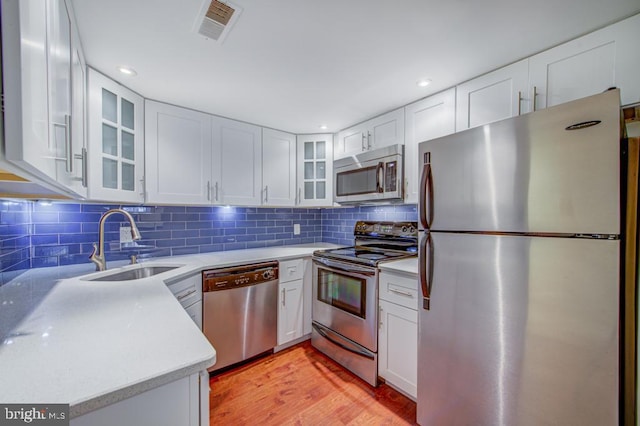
[{"x": 134, "y": 274}]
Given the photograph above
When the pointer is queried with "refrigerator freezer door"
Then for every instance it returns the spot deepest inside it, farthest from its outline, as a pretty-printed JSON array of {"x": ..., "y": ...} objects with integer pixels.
[
  {"x": 528, "y": 174},
  {"x": 520, "y": 331}
]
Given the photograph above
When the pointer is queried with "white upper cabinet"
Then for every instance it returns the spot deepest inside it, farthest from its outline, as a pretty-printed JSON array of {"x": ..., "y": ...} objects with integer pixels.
[
  {"x": 315, "y": 170},
  {"x": 59, "y": 70},
  {"x": 72, "y": 172},
  {"x": 494, "y": 96},
  {"x": 278, "y": 168},
  {"x": 177, "y": 155},
  {"x": 116, "y": 138},
  {"x": 426, "y": 119},
  {"x": 384, "y": 130},
  {"x": 26, "y": 117},
  {"x": 43, "y": 90},
  {"x": 237, "y": 159},
  {"x": 589, "y": 65}
]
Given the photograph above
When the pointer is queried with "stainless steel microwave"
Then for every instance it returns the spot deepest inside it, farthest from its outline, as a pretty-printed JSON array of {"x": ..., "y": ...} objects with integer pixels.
[{"x": 371, "y": 176}]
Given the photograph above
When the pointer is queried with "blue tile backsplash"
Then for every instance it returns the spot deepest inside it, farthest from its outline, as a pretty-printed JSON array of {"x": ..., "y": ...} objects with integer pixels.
[
  {"x": 15, "y": 230},
  {"x": 337, "y": 224},
  {"x": 35, "y": 235}
]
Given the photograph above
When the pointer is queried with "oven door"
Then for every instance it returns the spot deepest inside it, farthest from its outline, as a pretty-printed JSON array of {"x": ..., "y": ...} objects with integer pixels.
[{"x": 346, "y": 300}]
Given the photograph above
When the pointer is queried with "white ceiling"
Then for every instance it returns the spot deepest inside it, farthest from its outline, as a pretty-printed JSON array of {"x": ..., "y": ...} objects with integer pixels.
[{"x": 296, "y": 64}]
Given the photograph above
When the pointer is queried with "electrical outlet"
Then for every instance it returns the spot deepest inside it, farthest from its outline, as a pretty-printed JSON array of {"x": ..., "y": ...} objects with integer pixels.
[
  {"x": 125, "y": 234},
  {"x": 296, "y": 229}
]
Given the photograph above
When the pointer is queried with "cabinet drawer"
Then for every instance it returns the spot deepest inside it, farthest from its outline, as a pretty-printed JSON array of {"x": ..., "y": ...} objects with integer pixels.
[
  {"x": 187, "y": 290},
  {"x": 399, "y": 289},
  {"x": 291, "y": 270}
]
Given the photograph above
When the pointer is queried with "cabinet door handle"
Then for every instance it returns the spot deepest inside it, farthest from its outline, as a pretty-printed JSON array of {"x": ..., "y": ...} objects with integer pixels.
[
  {"x": 363, "y": 145},
  {"x": 82, "y": 157},
  {"x": 519, "y": 102},
  {"x": 380, "y": 323},
  {"x": 368, "y": 140},
  {"x": 266, "y": 194},
  {"x": 217, "y": 191},
  {"x": 299, "y": 196},
  {"x": 284, "y": 297},
  {"x": 400, "y": 292},
  {"x": 67, "y": 143},
  {"x": 533, "y": 99},
  {"x": 208, "y": 190},
  {"x": 143, "y": 194}
]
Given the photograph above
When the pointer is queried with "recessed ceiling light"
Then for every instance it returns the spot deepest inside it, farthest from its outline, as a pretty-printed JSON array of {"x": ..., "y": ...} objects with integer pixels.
[
  {"x": 323, "y": 127},
  {"x": 424, "y": 82},
  {"x": 127, "y": 71}
]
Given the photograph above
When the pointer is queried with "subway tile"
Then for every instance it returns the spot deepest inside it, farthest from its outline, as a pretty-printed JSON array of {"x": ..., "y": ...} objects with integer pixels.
[
  {"x": 198, "y": 225},
  {"x": 185, "y": 233},
  {"x": 177, "y": 242},
  {"x": 211, "y": 232},
  {"x": 60, "y": 228},
  {"x": 211, "y": 248},
  {"x": 57, "y": 207},
  {"x": 235, "y": 246},
  {"x": 185, "y": 217},
  {"x": 184, "y": 250},
  {"x": 200, "y": 241}
]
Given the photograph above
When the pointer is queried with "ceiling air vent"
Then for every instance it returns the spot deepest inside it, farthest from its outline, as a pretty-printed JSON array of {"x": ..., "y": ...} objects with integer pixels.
[{"x": 216, "y": 19}]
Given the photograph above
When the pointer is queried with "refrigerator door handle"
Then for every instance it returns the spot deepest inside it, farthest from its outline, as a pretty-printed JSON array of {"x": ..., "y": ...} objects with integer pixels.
[
  {"x": 425, "y": 263},
  {"x": 426, "y": 193}
]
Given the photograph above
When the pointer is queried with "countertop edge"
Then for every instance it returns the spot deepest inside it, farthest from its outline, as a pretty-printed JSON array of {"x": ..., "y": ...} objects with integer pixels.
[{"x": 101, "y": 401}]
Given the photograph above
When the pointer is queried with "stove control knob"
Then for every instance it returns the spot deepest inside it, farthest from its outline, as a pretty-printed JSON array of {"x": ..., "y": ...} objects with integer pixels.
[
  {"x": 404, "y": 229},
  {"x": 268, "y": 274},
  {"x": 412, "y": 229}
]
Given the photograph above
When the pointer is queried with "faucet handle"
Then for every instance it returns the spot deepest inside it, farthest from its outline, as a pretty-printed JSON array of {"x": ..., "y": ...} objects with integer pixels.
[
  {"x": 134, "y": 259},
  {"x": 95, "y": 250}
]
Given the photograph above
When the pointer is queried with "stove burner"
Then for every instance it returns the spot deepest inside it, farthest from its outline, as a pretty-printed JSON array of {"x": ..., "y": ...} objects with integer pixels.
[{"x": 371, "y": 256}]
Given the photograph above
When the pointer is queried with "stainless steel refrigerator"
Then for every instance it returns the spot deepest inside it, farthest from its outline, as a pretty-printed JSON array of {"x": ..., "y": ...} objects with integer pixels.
[{"x": 522, "y": 268}]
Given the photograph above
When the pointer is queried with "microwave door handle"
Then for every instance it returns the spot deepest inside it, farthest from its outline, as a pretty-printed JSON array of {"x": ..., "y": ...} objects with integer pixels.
[
  {"x": 379, "y": 178},
  {"x": 425, "y": 269},
  {"x": 425, "y": 210}
]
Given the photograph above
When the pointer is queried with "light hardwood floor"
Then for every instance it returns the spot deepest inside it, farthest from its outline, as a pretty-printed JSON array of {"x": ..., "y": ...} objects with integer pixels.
[{"x": 301, "y": 386}]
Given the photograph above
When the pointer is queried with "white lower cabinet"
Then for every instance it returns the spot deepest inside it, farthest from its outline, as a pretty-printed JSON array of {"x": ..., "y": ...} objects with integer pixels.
[
  {"x": 188, "y": 291},
  {"x": 183, "y": 402},
  {"x": 290, "y": 311},
  {"x": 398, "y": 331},
  {"x": 291, "y": 301}
]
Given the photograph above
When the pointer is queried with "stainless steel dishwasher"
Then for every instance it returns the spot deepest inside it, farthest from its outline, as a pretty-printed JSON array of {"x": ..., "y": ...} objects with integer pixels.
[{"x": 240, "y": 311}]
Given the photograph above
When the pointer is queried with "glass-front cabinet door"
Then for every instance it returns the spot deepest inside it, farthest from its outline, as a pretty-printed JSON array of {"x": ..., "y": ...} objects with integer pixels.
[
  {"x": 315, "y": 170},
  {"x": 116, "y": 140}
]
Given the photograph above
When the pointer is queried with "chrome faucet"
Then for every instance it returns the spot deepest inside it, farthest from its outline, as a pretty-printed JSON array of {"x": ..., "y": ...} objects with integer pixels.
[{"x": 97, "y": 256}]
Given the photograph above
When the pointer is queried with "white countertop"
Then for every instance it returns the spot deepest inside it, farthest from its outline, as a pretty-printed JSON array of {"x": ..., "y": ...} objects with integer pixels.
[
  {"x": 92, "y": 343},
  {"x": 407, "y": 266}
]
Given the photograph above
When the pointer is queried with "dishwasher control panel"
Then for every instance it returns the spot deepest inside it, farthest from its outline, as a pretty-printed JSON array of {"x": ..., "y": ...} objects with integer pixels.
[{"x": 239, "y": 276}]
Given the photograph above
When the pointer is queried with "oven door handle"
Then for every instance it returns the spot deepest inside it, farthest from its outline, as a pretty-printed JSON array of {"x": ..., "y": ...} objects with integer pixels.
[
  {"x": 342, "y": 267},
  {"x": 351, "y": 348}
]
